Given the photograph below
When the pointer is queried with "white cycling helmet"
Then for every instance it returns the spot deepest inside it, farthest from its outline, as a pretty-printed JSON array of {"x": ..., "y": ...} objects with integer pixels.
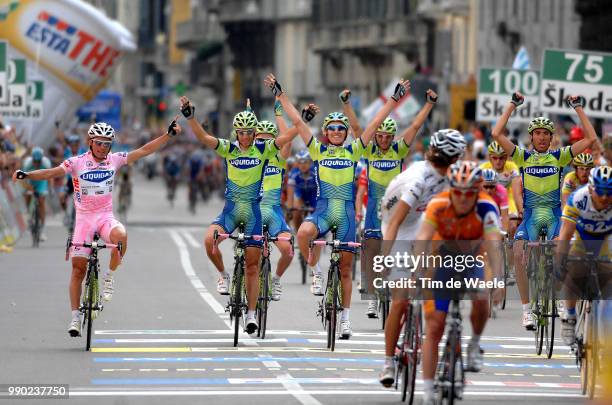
[
  {"x": 448, "y": 142},
  {"x": 101, "y": 130}
]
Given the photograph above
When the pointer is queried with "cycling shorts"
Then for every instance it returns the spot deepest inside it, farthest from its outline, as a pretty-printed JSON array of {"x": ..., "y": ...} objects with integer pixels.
[
  {"x": 272, "y": 216},
  {"x": 41, "y": 187},
  {"x": 372, "y": 220},
  {"x": 89, "y": 223},
  {"x": 339, "y": 213},
  {"x": 235, "y": 212},
  {"x": 441, "y": 299},
  {"x": 534, "y": 219}
]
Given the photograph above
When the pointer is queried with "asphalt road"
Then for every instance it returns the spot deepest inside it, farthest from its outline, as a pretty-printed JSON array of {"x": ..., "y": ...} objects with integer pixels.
[{"x": 165, "y": 337}]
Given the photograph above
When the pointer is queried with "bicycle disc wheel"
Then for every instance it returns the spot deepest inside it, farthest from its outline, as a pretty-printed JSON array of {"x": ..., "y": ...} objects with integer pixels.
[
  {"x": 331, "y": 329},
  {"x": 237, "y": 300}
]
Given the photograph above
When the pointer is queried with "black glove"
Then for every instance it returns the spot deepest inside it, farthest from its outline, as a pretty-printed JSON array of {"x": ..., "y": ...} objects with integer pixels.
[
  {"x": 21, "y": 174},
  {"x": 188, "y": 111},
  {"x": 517, "y": 99},
  {"x": 399, "y": 92},
  {"x": 308, "y": 114},
  {"x": 172, "y": 129},
  {"x": 431, "y": 99},
  {"x": 276, "y": 89},
  {"x": 344, "y": 96},
  {"x": 577, "y": 102}
]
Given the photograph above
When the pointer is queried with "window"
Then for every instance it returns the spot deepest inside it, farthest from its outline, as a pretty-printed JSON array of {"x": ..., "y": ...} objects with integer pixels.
[
  {"x": 514, "y": 8},
  {"x": 524, "y": 5},
  {"x": 536, "y": 11},
  {"x": 552, "y": 10},
  {"x": 481, "y": 14}
]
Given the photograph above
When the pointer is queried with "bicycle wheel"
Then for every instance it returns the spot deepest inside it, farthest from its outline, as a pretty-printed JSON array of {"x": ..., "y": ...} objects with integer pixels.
[
  {"x": 592, "y": 352},
  {"x": 550, "y": 313},
  {"x": 304, "y": 267},
  {"x": 535, "y": 298},
  {"x": 583, "y": 323},
  {"x": 331, "y": 326},
  {"x": 90, "y": 291},
  {"x": 237, "y": 300},
  {"x": 506, "y": 272},
  {"x": 36, "y": 225},
  {"x": 384, "y": 308},
  {"x": 264, "y": 298},
  {"x": 410, "y": 353},
  {"x": 455, "y": 370}
]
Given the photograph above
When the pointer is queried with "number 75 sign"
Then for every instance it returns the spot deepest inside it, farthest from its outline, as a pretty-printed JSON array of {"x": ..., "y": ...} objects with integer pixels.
[
  {"x": 495, "y": 87},
  {"x": 566, "y": 72}
]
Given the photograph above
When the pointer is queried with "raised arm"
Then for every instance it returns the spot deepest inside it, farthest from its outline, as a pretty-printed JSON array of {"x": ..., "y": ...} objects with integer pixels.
[
  {"x": 498, "y": 131},
  {"x": 293, "y": 114},
  {"x": 188, "y": 111},
  {"x": 410, "y": 133},
  {"x": 347, "y": 109},
  {"x": 282, "y": 128},
  {"x": 42, "y": 174},
  {"x": 577, "y": 103},
  {"x": 401, "y": 89},
  {"x": 156, "y": 144}
]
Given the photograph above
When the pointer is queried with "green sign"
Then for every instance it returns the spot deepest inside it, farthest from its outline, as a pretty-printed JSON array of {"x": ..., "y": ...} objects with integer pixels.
[
  {"x": 570, "y": 72},
  {"x": 17, "y": 88},
  {"x": 3, "y": 76},
  {"x": 495, "y": 87}
]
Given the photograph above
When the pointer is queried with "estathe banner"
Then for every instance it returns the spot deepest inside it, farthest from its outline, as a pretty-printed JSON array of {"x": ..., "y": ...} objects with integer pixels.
[{"x": 70, "y": 46}]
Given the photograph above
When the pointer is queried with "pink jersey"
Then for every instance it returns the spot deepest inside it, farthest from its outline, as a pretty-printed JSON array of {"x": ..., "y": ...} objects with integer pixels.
[
  {"x": 501, "y": 197},
  {"x": 93, "y": 181}
]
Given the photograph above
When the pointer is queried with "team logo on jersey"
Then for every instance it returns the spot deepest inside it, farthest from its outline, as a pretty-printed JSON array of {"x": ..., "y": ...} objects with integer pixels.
[
  {"x": 245, "y": 163},
  {"x": 336, "y": 163},
  {"x": 542, "y": 171},
  {"x": 385, "y": 165},
  {"x": 97, "y": 176},
  {"x": 272, "y": 170}
]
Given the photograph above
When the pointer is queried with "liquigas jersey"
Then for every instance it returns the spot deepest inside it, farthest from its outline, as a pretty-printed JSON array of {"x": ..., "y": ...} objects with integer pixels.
[
  {"x": 273, "y": 180},
  {"x": 383, "y": 166},
  {"x": 335, "y": 168},
  {"x": 541, "y": 173},
  {"x": 244, "y": 169}
]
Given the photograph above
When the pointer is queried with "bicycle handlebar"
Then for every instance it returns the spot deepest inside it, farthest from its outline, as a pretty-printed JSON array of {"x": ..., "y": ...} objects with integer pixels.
[{"x": 334, "y": 243}]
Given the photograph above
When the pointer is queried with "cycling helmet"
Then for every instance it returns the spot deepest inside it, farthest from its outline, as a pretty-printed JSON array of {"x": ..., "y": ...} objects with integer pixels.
[
  {"x": 245, "y": 120},
  {"x": 335, "y": 116},
  {"x": 448, "y": 142},
  {"x": 266, "y": 127},
  {"x": 464, "y": 174},
  {"x": 37, "y": 154},
  {"x": 302, "y": 155},
  {"x": 601, "y": 177},
  {"x": 388, "y": 126},
  {"x": 542, "y": 123},
  {"x": 576, "y": 134},
  {"x": 583, "y": 159},
  {"x": 101, "y": 130},
  {"x": 489, "y": 176},
  {"x": 290, "y": 161},
  {"x": 496, "y": 149}
]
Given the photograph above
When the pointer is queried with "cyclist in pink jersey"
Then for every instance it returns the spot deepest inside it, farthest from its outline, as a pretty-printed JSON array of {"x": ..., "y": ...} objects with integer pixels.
[
  {"x": 93, "y": 175},
  {"x": 498, "y": 192}
]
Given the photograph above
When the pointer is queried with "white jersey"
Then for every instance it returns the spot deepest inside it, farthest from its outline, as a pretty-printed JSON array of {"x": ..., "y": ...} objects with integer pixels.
[{"x": 415, "y": 186}]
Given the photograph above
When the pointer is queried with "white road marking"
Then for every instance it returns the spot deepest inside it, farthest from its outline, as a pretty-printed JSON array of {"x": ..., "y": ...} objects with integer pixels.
[{"x": 191, "y": 240}]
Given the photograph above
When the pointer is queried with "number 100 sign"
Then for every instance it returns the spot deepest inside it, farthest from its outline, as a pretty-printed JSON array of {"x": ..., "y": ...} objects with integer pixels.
[{"x": 496, "y": 85}]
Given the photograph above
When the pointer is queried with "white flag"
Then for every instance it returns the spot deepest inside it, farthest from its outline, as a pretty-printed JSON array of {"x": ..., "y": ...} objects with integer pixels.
[{"x": 403, "y": 113}]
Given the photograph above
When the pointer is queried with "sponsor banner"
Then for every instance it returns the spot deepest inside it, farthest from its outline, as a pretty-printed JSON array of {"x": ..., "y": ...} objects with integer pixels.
[
  {"x": 495, "y": 88},
  {"x": 570, "y": 72},
  {"x": 68, "y": 44},
  {"x": 17, "y": 88},
  {"x": 3, "y": 75}
]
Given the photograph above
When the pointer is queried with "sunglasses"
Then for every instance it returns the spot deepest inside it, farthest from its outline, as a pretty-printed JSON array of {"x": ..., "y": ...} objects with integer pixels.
[
  {"x": 105, "y": 144},
  {"x": 489, "y": 186},
  {"x": 499, "y": 157},
  {"x": 469, "y": 193},
  {"x": 249, "y": 131},
  {"x": 336, "y": 127}
]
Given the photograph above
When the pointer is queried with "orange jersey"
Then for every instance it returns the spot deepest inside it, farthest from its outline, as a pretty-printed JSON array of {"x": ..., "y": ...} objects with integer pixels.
[{"x": 449, "y": 226}]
